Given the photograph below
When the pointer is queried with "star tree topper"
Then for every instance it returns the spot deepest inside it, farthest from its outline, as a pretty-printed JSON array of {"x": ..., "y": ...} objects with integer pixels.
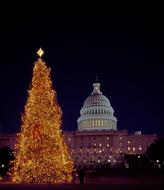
[{"x": 40, "y": 52}]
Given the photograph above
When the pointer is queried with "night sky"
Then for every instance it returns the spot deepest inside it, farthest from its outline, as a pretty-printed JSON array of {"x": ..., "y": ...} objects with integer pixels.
[{"x": 121, "y": 46}]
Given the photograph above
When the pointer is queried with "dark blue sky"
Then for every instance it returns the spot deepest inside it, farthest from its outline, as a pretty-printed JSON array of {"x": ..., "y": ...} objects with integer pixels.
[{"x": 122, "y": 46}]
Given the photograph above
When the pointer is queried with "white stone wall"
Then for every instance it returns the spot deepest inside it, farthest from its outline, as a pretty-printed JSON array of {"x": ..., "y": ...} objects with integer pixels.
[{"x": 107, "y": 146}]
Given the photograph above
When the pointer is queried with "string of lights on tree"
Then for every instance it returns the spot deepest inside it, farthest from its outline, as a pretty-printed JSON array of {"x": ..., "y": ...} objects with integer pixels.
[{"x": 41, "y": 154}]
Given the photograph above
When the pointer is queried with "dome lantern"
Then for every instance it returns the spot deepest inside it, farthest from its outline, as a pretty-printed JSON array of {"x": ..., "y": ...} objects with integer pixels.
[{"x": 96, "y": 88}]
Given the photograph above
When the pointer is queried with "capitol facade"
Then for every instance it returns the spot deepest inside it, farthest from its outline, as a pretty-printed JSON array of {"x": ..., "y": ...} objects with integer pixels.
[{"x": 97, "y": 140}]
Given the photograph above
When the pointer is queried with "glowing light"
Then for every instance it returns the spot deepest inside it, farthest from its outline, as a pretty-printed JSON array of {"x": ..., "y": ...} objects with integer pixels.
[{"x": 40, "y": 52}]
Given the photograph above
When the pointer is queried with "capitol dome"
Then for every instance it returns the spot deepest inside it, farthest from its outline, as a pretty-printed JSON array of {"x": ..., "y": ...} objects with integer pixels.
[{"x": 96, "y": 113}]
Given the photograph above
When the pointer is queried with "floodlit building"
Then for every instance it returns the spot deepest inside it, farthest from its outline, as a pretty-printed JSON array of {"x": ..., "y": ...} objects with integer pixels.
[{"x": 97, "y": 140}]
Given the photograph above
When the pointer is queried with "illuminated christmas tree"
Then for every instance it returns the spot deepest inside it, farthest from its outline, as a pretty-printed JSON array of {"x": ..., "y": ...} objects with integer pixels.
[{"x": 41, "y": 155}]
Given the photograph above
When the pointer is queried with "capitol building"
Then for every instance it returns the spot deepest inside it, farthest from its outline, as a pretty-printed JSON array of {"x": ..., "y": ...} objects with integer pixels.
[{"x": 97, "y": 139}]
